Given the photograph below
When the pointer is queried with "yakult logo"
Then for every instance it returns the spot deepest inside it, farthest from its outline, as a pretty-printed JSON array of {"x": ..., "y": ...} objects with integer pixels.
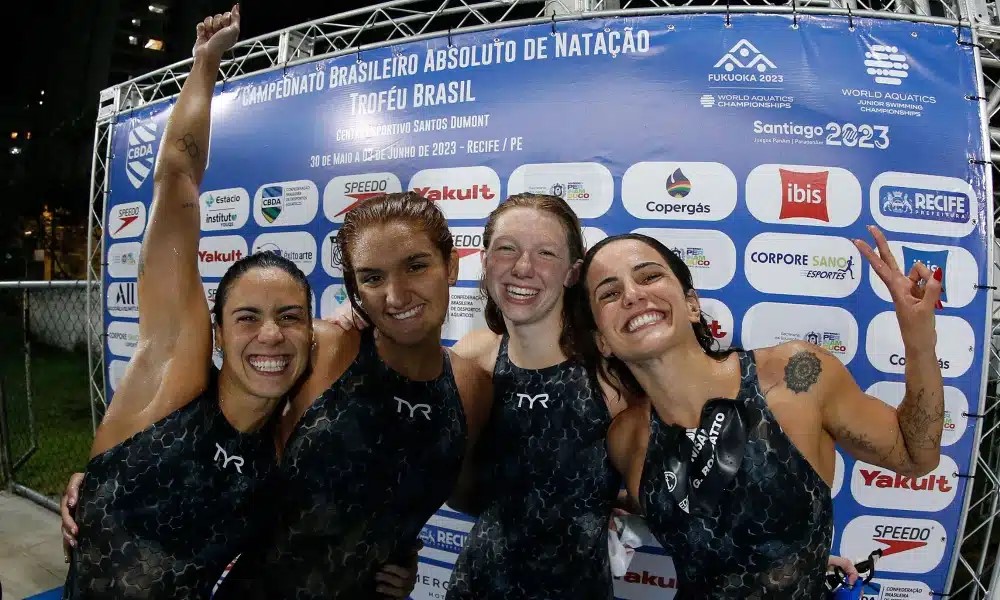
[
  {"x": 127, "y": 220},
  {"x": 217, "y": 254},
  {"x": 343, "y": 193},
  {"x": 649, "y": 577},
  {"x": 141, "y": 153},
  {"x": 908, "y": 545},
  {"x": 462, "y": 193},
  {"x": 875, "y": 487},
  {"x": 720, "y": 321}
]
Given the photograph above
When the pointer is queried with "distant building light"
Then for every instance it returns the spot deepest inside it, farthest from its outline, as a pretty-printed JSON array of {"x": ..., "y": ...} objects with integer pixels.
[
  {"x": 41, "y": 102},
  {"x": 27, "y": 135},
  {"x": 133, "y": 40},
  {"x": 154, "y": 44},
  {"x": 43, "y": 92},
  {"x": 136, "y": 22},
  {"x": 15, "y": 150},
  {"x": 157, "y": 8},
  {"x": 13, "y": 135}
]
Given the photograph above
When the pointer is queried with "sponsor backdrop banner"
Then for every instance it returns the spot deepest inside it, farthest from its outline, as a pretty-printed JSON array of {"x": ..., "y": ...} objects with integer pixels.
[{"x": 756, "y": 152}]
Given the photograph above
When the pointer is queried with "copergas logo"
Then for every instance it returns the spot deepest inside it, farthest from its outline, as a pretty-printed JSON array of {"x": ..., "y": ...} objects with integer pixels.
[
  {"x": 683, "y": 191},
  {"x": 587, "y": 187},
  {"x": 884, "y": 344}
]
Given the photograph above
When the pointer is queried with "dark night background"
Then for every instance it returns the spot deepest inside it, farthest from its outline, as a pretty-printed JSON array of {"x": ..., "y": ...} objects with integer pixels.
[{"x": 65, "y": 53}]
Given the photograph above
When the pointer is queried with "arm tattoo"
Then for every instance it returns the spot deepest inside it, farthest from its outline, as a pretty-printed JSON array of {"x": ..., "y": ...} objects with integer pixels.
[
  {"x": 188, "y": 145},
  {"x": 920, "y": 427},
  {"x": 189, "y": 205},
  {"x": 802, "y": 371},
  {"x": 142, "y": 267},
  {"x": 860, "y": 442}
]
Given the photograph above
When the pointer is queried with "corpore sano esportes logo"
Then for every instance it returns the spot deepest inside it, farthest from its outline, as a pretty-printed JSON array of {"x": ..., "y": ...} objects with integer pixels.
[{"x": 803, "y": 265}]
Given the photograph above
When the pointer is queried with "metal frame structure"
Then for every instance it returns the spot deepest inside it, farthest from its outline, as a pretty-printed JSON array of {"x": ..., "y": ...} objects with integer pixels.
[{"x": 974, "y": 572}]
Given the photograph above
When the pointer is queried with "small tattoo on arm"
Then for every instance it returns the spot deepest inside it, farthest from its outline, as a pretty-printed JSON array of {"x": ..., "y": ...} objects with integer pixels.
[
  {"x": 189, "y": 145},
  {"x": 860, "y": 443},
  {"x": 189, "y": 205},
  {"x": 802, "y": 371},
  {"x": 142, "y": 267}
]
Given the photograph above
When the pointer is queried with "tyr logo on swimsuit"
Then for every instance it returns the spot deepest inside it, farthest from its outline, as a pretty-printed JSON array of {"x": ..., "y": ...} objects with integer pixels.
[
  {"x": 424, "y": 408},
  {"x": 226, "y": 459},
  {"x": 540, "y": 398}
]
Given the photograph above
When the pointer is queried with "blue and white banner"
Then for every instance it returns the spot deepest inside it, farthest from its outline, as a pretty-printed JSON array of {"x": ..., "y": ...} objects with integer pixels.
[{"x": 757, "y": 152}]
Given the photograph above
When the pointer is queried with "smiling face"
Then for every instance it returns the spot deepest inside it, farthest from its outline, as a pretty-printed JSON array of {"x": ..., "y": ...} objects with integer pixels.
[
  {"x": 402, "y": 280},
  {"x": 527, "y": 265},
  {"x": 639, "y": 305},
  {"x": 265, "y": 332}
]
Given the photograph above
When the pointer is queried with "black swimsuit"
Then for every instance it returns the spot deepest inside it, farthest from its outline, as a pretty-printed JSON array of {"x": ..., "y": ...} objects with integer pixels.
[
  {"x": 162, "y": 513},
  {"x": 544, "y": 531},
  {"x": 368, "y": 463},
  {"x": 763, "y": 530}
]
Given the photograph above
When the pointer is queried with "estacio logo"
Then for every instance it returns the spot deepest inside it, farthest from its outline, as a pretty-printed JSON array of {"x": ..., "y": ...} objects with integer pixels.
[
  {"x": 462, "y": 193},
  {"x": 908, "y": 545},
  {"x": 224, "y": 209},
  {"x": 344, "y": 193},
  {"x": 141, "y": 153},
  {"x": 127, "y": 220},
  {"x": 803, "y": 195},
  {"x": 742, "y": 59}
]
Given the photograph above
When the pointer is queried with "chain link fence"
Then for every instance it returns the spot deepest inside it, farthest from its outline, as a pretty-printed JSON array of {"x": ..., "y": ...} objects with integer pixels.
[{"x": 47, "y": 427}]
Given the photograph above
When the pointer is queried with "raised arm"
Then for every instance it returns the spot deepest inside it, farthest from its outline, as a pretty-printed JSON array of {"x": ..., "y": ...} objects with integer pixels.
[
  {"x": 174, "y": 324},
  {"x": 907, "y": 439}
]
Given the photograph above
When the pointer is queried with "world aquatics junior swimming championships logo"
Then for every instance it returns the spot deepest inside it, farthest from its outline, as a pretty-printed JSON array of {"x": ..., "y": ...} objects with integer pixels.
[{"x": 141, "y": 153}]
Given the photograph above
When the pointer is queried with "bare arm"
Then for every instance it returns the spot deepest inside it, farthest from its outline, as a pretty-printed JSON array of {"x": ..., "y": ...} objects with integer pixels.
[
  {"x": 475, "y": 385},
  {"x": 174, "y": 344},
  {"x": 907, "y": 439}
]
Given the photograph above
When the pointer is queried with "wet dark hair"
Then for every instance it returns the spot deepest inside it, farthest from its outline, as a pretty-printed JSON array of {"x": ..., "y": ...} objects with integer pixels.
[
  {"x": 557, "y": 207},
  {"x": 613, "y": 369},
  {"x": 258, "y": 260},
  {"x": 410, "y": 207}
]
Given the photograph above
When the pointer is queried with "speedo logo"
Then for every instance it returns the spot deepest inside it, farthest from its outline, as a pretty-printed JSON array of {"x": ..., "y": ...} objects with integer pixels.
[{"x": 908, "y": 545}]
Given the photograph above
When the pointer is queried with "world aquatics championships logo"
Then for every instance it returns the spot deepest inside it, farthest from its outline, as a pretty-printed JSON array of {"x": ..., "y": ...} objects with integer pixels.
[
  {"x": 745, "y": 56},
  {"x": 678, "y": 186},
  {"x": 140, "y": 153},
  {"x": 271, "y": 200}
]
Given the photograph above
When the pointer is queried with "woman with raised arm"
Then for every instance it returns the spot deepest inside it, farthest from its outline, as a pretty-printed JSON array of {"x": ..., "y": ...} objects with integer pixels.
[
  {"x": 732, "y": 458},
  {"x": 376, "y": 436},
  {"x": 167, "y": 497}
]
